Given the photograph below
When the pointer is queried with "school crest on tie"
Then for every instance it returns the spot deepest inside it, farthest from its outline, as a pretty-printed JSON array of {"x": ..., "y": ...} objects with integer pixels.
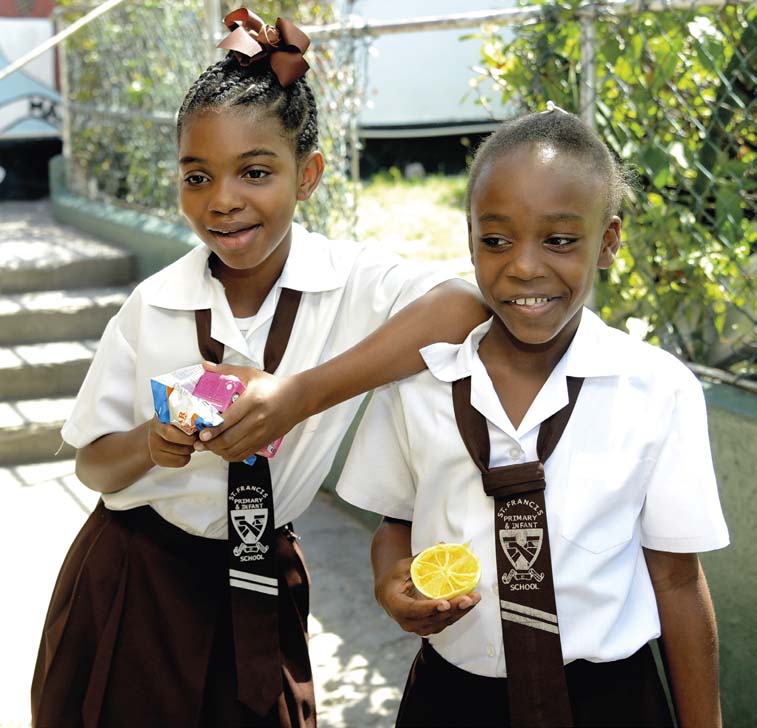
[
  {"x": 522, "y": 547},
  {"x": 250, "y": 524}
]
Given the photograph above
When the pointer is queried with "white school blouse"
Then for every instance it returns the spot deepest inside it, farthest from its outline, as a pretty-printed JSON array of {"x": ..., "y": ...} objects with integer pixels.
[
  {"x": 633, "y": 469},
  {"x": 348, "y": 291}
]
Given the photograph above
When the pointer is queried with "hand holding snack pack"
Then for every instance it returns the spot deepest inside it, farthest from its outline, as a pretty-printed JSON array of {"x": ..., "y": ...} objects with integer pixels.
[{"x": 192, "y": 399}]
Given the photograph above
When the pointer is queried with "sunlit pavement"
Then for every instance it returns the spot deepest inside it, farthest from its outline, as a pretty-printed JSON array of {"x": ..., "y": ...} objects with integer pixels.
[{"x": 360, "y": 657}]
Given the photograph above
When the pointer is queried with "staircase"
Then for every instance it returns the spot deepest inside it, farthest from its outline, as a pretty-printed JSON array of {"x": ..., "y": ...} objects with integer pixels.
[{"x": 58, "y": 289}]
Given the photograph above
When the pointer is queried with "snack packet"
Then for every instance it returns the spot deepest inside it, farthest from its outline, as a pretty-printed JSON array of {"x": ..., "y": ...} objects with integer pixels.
[
  {"x": 175, "y": 403},
  {"x": 192, "y": 399},
  {"x": 219, "y": 390}
]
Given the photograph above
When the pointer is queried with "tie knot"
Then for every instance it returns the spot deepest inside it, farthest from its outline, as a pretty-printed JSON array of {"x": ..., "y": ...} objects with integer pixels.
[{"x": 511, "y": 480}]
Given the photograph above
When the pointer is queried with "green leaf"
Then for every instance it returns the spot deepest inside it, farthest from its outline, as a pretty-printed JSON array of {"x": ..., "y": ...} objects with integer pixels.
[
  {"x": 728, "y": 212},
  {"x": 656, "y": 163}
]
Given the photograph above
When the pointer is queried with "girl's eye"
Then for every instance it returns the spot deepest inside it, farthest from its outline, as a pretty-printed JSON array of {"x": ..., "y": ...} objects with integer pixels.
[
  {"x": 494, "y": 242},
  {"x": 559, "y": 241},
  {"x": 195, "y": 179},
  {"x": 256, "y": 173}
]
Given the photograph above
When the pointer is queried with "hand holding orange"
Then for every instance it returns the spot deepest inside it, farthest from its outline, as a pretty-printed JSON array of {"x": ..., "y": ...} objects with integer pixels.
[{"x": 445, "y": 571}]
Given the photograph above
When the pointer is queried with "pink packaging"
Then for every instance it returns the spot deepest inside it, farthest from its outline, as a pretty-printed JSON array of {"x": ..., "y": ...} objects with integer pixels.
[
  {"x": 219, "y": 390},
  {"x": 270, "y": 450}
]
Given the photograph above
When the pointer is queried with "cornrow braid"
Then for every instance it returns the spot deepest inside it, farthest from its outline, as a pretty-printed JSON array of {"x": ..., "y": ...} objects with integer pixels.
[
  {"x": 567, "y": 133},
  {"x": 227, "y": 84}
]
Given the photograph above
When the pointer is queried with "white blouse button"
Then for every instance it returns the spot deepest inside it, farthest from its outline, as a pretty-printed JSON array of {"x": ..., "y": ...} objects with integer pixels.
[
  {"x": 515, "y": 453},
  {"x": 490, "y": 650}
]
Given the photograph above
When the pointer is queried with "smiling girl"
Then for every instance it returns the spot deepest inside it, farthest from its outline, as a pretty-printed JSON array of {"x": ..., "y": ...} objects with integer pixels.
[
  {"x": 572, "y": 458},
  {"x": 184, "y": 599}
]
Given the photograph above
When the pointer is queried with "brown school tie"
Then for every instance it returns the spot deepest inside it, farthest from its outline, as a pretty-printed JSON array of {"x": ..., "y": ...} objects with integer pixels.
[
  {"x": 536, "y": 685},
  {"x": 253, "y": 574}
]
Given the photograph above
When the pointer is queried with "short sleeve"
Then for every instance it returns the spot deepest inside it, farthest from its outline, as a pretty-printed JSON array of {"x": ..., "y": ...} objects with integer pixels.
[
  {"x": 382, "y": 283},
  {"x": 682, "y": 511},
  {"x": 378, "y": 475},
  {"x": 105, "y": 402}
]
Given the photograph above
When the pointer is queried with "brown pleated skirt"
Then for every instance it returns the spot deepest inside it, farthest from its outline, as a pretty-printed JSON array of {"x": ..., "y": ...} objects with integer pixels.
[
  {"x": 626, "y": 693},
  {"x": 138, "y": 632}
]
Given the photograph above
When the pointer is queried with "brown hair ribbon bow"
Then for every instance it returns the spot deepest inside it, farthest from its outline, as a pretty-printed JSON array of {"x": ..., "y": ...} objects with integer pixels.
[{"x": 252, "y": 40}]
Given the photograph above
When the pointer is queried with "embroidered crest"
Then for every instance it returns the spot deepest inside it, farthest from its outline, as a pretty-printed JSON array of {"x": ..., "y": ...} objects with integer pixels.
[
  {"x": 251, "y": 515},
  {"x": 522, "y": 547},
  {"x": 250, "y": 524}
]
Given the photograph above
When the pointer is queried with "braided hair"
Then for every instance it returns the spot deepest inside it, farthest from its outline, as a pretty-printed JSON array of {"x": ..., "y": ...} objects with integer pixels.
[
  {"x": 567, "y": 133},
  {"x": 228, "y": 84}
]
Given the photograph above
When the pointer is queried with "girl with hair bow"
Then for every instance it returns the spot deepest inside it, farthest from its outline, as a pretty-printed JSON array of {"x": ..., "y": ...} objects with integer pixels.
[{"x": 184, "y": 599}]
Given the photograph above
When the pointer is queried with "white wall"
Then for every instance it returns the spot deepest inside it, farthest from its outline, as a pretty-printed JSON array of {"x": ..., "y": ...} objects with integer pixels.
[{"x": 422, "y": 78}]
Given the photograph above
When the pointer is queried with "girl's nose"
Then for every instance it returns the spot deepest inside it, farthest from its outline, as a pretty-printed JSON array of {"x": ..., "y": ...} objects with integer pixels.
[
  {"x": 525, "y": 261},
  {"x": 225, "y": 198}
]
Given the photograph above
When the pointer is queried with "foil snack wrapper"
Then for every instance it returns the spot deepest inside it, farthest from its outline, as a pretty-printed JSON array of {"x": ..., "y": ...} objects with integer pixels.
[{"x": 192, "y": 399}]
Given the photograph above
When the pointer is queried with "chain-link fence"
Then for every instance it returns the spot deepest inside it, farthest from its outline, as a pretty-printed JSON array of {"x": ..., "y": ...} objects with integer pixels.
[
  {"x": 671, "y": 88},
  {"x": 123, "y": 79}
]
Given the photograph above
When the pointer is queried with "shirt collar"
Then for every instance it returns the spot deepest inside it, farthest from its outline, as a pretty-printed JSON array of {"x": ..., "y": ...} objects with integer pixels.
[
  {"x": 311, "y": 266},
  {"x": 597, "y": 350},
  {"x": 450, "y": 362},
  {"x": 185, "y": 285}
]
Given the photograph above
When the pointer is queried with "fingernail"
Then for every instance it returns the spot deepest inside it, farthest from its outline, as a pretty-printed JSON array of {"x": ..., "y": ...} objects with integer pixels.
[
  {"x": 199, "y": 447},
  {"x": 443, "y": 607},
  {"x": 465, "y": 604},
  {"x": 205, "y": 436}
]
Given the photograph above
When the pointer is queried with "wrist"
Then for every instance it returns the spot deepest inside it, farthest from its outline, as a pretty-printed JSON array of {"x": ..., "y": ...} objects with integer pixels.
[
  {"x": 142, "y": 456},
  {"x": 306, "y": 394},
  {"x": 378, "y": 590}
]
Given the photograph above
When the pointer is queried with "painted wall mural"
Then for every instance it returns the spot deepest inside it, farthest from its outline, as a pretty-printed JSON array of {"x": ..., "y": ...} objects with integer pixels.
[{"x": 29, "y": 98}]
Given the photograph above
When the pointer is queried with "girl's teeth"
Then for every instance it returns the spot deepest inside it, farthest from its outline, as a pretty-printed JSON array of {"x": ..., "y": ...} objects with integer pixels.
[
  {"x": 231, "y": 232},
  {"x": 529, "y": 301}
]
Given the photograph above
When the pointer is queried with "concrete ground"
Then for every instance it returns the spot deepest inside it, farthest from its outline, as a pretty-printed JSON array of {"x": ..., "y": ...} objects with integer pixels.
[{"x": 360, "y": 657}]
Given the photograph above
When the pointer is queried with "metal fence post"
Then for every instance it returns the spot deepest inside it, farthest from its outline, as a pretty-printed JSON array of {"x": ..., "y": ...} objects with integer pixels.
[
  {"x": 356, "y": 101},
  {"x": 212, "y": 28},
  {"x": 57, "y": 19},
  {"x": 587, "y": 89}
]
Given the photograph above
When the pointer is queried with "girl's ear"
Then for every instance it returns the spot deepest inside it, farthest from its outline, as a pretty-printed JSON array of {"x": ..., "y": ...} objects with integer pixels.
[
  {"x": 610, "y": 244},
  {"x": 310, "y": 171}
]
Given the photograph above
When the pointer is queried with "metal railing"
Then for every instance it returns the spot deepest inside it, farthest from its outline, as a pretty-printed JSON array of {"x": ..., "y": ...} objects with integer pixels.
[{"x": 58, "y": 38}]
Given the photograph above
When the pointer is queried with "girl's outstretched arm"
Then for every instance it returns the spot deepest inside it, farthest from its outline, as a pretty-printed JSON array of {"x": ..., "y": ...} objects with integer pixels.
[
  {"x": 448, "y": 312},
  {"x": 689, "y": 636},
  {"x": 270, "y": 406}
]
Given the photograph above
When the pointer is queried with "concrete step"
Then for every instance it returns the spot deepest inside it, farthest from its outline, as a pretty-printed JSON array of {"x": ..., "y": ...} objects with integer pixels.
[
  {"x": 38, "y": 253},
  {"x": 30, "y": 430},
  {"x": 44, "y": 370},
  {"x": 64, "y": 315}
]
